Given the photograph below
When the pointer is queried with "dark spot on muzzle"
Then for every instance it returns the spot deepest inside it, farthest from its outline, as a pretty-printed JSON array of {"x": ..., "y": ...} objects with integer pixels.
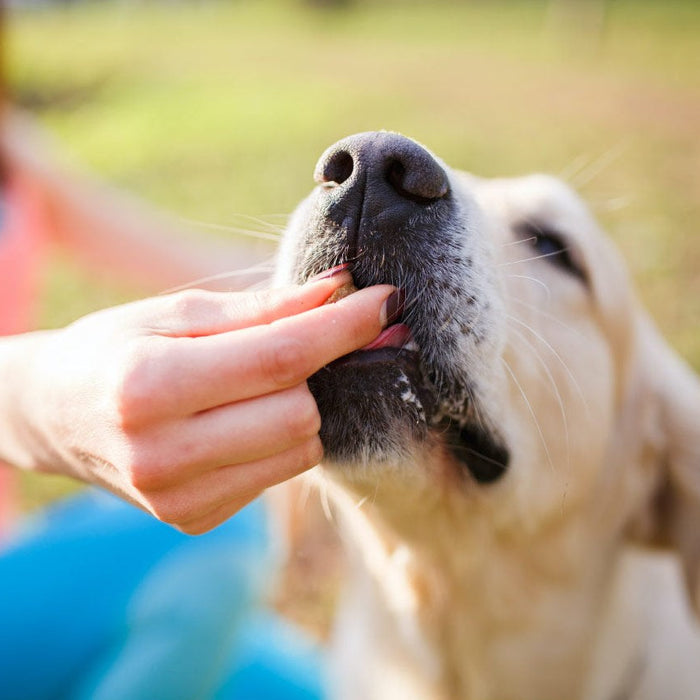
[{"x": 477, "y": 450}]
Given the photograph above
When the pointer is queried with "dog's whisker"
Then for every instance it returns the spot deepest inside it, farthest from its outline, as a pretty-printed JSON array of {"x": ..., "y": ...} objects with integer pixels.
[
  {"x": 557, "y": 356},
  {"x": 557, "y": 394},
  {"x": 231, "y": 274},
  {"x": 266, "y": 225},
  {"x": 548, "y": 316},
  {"x": 324, "y": 499},
  {"x": 250, "y": 233},
  {"x": 531, "y": 410},
  {"x": 476, "y": 411},
  {"x": 361, "y": 502},
  {"x": 611, "y": 203},
  {"x": 534, "y": 279},
  {"x": 376, "y": 492},
  {"x": 520, "y": 241},
  {"x": 530, "y": 259},
  {"x": 574, "y": 167},
  {"x": 473, "y": 451},
  {"x": 589, "y": 173}
]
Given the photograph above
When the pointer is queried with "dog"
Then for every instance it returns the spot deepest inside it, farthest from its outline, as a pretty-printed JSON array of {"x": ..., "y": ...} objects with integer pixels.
[{"x": 515, "y": 462}]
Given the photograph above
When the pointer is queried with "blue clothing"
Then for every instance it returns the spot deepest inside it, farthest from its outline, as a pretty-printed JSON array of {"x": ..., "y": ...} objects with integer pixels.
[{"x": 100, "y": 601}]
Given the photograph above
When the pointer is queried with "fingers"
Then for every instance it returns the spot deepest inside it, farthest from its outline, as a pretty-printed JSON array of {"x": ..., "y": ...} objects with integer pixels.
[
  {"x": 269, "y": 358},
  {"x": 195, "y": 312},
  {"x": 187, "y": 375},
  {"x": 236, "y": 433},
  {"x": 208, "y": 522},
  {"x": 175, "y": 468},
  {"x": 204, "y": 502},
  {"x": 163, "y": 392}
]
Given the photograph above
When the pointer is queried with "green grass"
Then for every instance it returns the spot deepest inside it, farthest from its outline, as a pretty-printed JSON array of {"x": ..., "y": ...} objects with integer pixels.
[{"x": 214, "y": 110}]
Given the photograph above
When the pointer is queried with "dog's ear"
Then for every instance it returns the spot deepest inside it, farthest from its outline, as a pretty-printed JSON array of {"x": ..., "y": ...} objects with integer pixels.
[{"x": 676, "y": 390}]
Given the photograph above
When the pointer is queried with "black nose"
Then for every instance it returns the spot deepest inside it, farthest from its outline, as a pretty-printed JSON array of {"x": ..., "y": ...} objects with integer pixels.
[{"x": 379, "y": 173}]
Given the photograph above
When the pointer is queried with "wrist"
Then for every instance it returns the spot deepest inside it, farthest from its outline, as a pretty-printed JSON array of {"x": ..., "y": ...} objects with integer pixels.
[{"x": 24, "y": 441}]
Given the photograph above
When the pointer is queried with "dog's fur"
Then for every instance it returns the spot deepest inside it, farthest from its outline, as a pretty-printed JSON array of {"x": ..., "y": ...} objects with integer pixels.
[{"x": 538, "y": 583}]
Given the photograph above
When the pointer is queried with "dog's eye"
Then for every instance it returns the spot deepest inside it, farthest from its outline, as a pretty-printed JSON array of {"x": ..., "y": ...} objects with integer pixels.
[{"x": 552, "y": 247}]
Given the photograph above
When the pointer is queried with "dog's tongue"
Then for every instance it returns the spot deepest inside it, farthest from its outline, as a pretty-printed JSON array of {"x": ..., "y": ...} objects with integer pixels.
[{"x": 396, "y": 336}]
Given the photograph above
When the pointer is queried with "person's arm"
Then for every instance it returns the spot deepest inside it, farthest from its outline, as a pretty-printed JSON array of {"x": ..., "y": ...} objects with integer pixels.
[
  {"x": 112, "y": 231},
  {"x": 189, "y": 404}
]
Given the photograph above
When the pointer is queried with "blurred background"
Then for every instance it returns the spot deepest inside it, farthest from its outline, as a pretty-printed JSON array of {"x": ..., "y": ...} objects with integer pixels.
[{"x": 217, "y": 112}]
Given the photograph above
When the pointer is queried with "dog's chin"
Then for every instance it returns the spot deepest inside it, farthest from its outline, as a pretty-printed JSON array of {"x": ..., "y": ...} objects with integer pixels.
[
  {"x": 378, "y": 411},
  {"x": 376, "y": 407}
]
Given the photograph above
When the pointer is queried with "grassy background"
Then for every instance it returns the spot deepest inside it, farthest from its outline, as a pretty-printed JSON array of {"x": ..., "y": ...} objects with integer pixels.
[{"x": 216, "y": 110}]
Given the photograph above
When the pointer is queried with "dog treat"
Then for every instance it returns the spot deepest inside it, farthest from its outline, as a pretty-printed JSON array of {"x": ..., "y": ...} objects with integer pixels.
[{"x": 346, "y": 290}]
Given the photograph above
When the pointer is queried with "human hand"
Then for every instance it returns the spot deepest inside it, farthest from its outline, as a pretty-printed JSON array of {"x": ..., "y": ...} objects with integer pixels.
[{"x": 188, "y": 405}]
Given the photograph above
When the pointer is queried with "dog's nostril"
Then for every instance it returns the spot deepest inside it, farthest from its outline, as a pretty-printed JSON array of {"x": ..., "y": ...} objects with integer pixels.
[
  {"x": 337, "y": 169},
  {"x": 395, "y": 176},
  {"x": 422, "y": 183},
  {"x": 380, "y": 171}
]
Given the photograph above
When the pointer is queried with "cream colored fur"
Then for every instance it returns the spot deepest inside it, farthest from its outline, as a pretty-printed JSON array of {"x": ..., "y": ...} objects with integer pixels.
[{"x": 565, "y": 580}]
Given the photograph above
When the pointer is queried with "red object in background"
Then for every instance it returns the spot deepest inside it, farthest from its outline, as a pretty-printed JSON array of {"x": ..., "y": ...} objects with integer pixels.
[
  {"x": 22, "y": 246},
  {"x": 23, "y": 229}
]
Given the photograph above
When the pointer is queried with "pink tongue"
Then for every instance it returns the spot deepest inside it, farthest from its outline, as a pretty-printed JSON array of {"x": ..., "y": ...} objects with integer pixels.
[{"x": 395, "y": 336}]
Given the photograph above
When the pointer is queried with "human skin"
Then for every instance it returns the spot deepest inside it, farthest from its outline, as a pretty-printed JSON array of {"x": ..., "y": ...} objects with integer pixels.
[{"x": 188, "y": 405}]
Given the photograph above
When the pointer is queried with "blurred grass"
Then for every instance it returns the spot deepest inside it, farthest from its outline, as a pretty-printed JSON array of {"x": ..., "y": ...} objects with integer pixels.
[{"x": 216, "y": 109}]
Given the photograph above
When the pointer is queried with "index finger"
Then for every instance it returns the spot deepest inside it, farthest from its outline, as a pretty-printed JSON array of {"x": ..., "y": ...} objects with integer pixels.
[
  {"x": 214, "y": 370},
  {"x": 197, "y": 312}
]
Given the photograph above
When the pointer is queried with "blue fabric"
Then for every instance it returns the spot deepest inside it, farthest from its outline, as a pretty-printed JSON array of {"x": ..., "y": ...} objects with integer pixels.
[
  {"x": 99, "y": 600},
  {"x": 272, "y": 660}
]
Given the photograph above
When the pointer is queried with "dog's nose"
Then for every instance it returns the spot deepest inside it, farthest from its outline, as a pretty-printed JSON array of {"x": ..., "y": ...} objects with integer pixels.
[{"x": 379, "y": 173}]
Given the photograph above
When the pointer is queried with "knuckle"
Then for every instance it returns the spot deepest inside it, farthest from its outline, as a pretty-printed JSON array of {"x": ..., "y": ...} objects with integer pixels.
[
  {"x": 145, "y": 476},
  {"x": 146, "y": 469},
  {"x": 190, "y": 304},
  {"x": 314, "y": 453},
  {"x": 303, "y": 457},
  {"x": 169, "y": 509},
  {"x": 134, "y": 385},
  {"x": 258, "y": 303},
  {"x": 145, "y": 479},
  {"x": 303, "y": 417},
  {"x": 286, "y": 361}
]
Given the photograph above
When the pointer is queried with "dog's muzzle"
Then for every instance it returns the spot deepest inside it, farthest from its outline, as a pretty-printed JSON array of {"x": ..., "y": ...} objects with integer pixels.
[{"x": 385, "y": 207}]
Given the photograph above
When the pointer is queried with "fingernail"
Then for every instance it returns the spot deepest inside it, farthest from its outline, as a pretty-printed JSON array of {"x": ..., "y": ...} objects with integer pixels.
[
  {"x": 392, "y": 309},
  {"x": 328, "y": 274}
]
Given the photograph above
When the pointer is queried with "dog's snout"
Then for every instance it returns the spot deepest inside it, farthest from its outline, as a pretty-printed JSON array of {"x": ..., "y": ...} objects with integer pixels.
[{"x": 381, "y": 170}]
